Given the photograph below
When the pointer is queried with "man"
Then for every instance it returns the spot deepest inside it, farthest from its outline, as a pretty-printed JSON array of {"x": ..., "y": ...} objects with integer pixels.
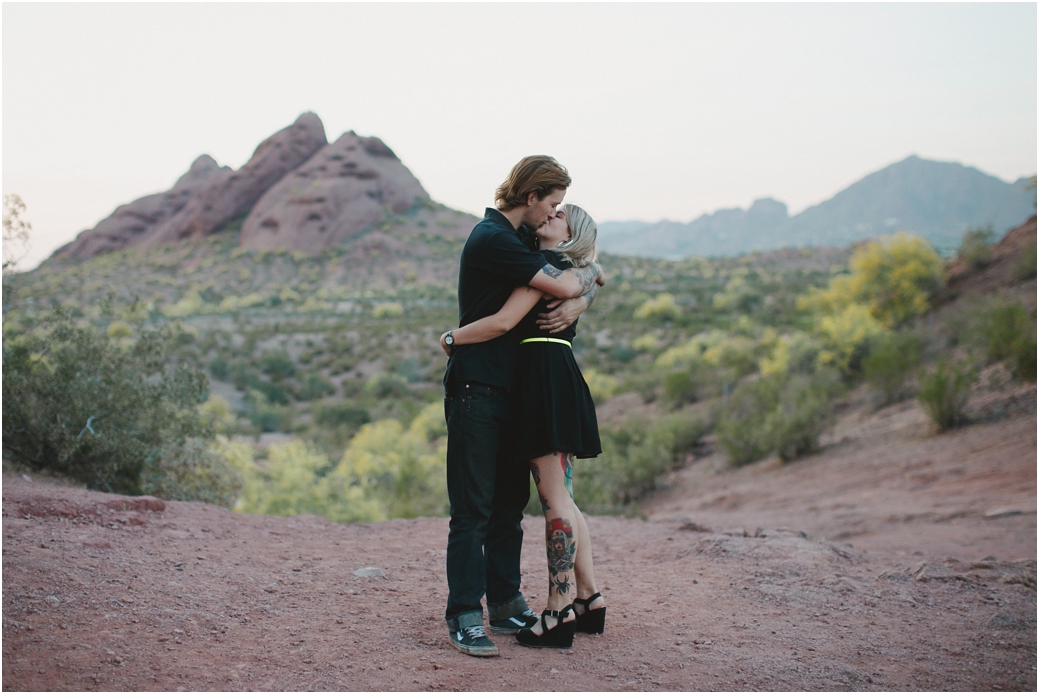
[{"x": 486, "y": 488}]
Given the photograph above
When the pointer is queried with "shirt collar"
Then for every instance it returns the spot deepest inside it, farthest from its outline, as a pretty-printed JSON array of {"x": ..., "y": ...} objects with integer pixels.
[{"x": 526, "y": 234}]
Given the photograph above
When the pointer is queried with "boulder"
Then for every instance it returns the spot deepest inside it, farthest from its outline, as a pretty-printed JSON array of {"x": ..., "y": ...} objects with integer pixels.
[
  {"x": 350, "y": 185},
  {"x": 233, "y": 194},
  {"x": 134, "y": 222}
]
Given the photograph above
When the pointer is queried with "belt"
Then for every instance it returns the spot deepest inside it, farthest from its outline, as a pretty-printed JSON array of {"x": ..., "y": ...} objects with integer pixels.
[{"x": 546, "y": 339}]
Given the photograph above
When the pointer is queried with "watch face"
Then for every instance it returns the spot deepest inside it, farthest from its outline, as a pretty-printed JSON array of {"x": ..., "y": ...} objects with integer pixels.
[{"x": 449, "y": 340}]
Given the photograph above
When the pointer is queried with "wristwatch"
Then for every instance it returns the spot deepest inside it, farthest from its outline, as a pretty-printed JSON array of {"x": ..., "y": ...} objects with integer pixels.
[{"x": 449, "y": 339}]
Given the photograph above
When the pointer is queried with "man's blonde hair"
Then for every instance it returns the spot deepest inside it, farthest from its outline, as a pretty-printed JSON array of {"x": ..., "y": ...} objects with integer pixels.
[
  {"x": 539, "y": 174},
  {"x": 580, "y": 250}
]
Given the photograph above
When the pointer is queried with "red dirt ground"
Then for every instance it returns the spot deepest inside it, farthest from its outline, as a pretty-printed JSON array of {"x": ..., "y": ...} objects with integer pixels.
[{"x": 892, "y": 560}]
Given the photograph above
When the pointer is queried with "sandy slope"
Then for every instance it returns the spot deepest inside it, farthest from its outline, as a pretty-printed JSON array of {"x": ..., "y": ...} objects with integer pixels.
[{"x": 892, "y": 560}]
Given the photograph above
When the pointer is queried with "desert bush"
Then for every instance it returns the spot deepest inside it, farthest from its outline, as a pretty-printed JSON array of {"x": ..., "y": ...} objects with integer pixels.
[
  {"x": 400, "y": 473},
  {"x": 79, "y": 404},
  {"x": 741, "y": 423},
  {"x": 797, "y": 352},
  {"x": 340, "y": 413},
  {"x": 277, "y": 364},
  {"x": 219, "y": 368},
  {"x": 1010, "y": 337},
  {"x": 682, "y": 387},
  {"x": 944, "y": 392},
  {"x": 891, "y": 363},
  {"x": 1025, "y": 268},
  {"x": 895, "y": 277},
  {"x": 390, "y": 309},
  {"x": 635, "y": 455},
  {"x": 975, "y": 249},
  {"x": 847, "y": 337},
  {"x": 191, "y": 471},
  {"x": 288, "y": 483},
  {"x": 804, "y": 412},
  {"x": 386, "y": 385},
  {"x": 601, "y": 386},
  {"x": 267, "y": 415},
  {"x": 314, "y": 386},
  {"x": 777, "y": 414},
  {"x": 663, "y": 307}
]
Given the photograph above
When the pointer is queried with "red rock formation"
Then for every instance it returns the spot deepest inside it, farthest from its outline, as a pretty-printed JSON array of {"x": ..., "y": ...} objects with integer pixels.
[
  {"x": 233, "y": 194},
  {"x": 348, "y": 186},
  {"x": 134, "y": 222}
]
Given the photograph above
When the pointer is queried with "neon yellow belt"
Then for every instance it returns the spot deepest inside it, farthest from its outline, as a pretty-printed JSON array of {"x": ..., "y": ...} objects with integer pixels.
[{"x": 547, "y": 339}]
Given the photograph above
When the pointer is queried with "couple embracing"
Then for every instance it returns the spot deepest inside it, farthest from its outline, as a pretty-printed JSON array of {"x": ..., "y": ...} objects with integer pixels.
[{"x": 516, "y": 404}]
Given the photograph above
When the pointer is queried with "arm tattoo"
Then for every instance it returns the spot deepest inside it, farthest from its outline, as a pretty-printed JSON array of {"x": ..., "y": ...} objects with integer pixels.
[
  {"x": 590, "y": 295},
  {"x": 551, "y": 270},
  {"x": 586, "y": 276}
]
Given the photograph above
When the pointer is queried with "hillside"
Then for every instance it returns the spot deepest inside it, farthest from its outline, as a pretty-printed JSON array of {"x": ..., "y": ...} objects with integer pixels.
[{"x": 936, "y": 200}]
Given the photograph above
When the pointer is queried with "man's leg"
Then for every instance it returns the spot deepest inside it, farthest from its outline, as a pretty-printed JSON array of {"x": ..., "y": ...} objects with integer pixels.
[
  {"x": 504, "y": 543},
  {"x": 474, "y": 418}
]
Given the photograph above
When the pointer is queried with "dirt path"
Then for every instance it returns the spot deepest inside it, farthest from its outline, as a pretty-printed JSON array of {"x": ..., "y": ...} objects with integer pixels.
[{"x": 740, "y": 580}]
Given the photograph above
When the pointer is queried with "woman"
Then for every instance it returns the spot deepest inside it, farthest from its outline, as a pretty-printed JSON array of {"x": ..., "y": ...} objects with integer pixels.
[{"x": 555, "y": 423}]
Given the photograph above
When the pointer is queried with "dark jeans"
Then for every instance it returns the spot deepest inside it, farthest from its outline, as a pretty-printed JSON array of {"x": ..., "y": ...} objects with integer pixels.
[{"x": 487, "y": 491}]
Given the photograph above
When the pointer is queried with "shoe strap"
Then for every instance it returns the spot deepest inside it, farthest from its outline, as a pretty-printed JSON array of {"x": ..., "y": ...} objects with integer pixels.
[{"x": 586, "y": 602}]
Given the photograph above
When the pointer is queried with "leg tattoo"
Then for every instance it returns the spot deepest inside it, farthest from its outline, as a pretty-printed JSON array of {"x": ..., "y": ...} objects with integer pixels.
[
  {"x": 566, "y": 461},
  {"x": 562, "y": 584},
  {"x": 544, "y": 504},
  {"x": 559, "y": 536},
  {"x": 536, "y": 472}
]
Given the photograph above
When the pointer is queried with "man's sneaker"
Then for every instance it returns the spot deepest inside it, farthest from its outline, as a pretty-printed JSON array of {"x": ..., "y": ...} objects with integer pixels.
[
  {"x": 512, "y": 625},
  {"x": 473, "y": 641}
]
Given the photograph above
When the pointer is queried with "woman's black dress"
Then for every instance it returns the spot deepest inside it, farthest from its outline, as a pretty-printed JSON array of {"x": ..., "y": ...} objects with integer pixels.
[{"x": 553, "y": 409}]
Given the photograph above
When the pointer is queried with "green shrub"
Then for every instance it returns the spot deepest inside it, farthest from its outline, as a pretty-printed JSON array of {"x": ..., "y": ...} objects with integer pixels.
[
  {"x": 268, "y": 415},
  {"x": 219, "y": 369},
  {"x": 277, "y": 364},
  {"x": 635, "y": 455},
  {"x": 340, "y": 413},
  {"x": 975, "y": 249},
  {"x": 315, "y": 386},
  {"x": 805, "y": 411},
  {"x": 891, "y": 363},
  {"x": 782, "y": 414},
  {"x": 681, "y": 387},
  {"x": 944, "y": 392},
  {"x": 741, "y": 424},
  {"x": 385, "y": 385},
  {"x": 191, "y": 471},
  {"x": 1010, "y": 334},
  {"x": 79, "y": 404},
  {"x": 1025, "y": 268}
]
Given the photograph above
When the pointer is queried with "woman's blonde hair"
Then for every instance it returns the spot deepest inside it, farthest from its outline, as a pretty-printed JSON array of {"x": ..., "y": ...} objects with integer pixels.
[{"x": 580, "y": 249}]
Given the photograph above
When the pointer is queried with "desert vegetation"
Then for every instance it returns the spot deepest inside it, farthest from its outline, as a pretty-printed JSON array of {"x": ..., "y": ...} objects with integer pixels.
[{"x": 285, "y": 383}]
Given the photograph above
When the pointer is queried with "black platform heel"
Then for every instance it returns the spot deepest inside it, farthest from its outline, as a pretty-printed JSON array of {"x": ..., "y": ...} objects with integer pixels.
[
  {"x": 590, "y": 621},
  {"x": 559, "y": 636}
]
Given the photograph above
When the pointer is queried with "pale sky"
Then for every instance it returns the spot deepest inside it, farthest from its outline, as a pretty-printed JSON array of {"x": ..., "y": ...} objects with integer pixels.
[{"x": 658, "y": 110}]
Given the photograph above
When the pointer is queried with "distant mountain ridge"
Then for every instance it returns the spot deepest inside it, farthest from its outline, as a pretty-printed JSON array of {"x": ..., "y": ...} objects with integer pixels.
[{"x": 936, "y": 200}]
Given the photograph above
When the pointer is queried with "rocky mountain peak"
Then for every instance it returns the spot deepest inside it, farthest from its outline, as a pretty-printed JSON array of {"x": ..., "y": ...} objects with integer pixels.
[{"x": 297, "y": 191}]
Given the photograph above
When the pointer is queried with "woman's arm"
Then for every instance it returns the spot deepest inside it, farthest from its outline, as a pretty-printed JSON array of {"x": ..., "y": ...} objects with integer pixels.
[{"x": 520, "y": 302}]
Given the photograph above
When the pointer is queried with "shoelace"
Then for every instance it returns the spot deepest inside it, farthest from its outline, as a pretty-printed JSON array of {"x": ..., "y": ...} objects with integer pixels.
[
  {"x": 476, "y": 632},
  {"x": 530, "y": 613}
]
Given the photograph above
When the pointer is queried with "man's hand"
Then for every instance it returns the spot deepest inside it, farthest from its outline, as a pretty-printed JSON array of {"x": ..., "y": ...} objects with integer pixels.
[
  {"x": 448, "y": 349},
  {"x": 562, "y": 315}
]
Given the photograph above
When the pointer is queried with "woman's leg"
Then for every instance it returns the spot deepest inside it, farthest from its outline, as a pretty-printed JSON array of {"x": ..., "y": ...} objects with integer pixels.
[
  {"x": 553, "y": 476},
  {"x": 583, "y": 565}
]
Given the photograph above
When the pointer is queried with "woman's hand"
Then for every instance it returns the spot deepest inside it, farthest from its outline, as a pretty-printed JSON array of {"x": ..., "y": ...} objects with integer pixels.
[{"x": 448, "y": 349}]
